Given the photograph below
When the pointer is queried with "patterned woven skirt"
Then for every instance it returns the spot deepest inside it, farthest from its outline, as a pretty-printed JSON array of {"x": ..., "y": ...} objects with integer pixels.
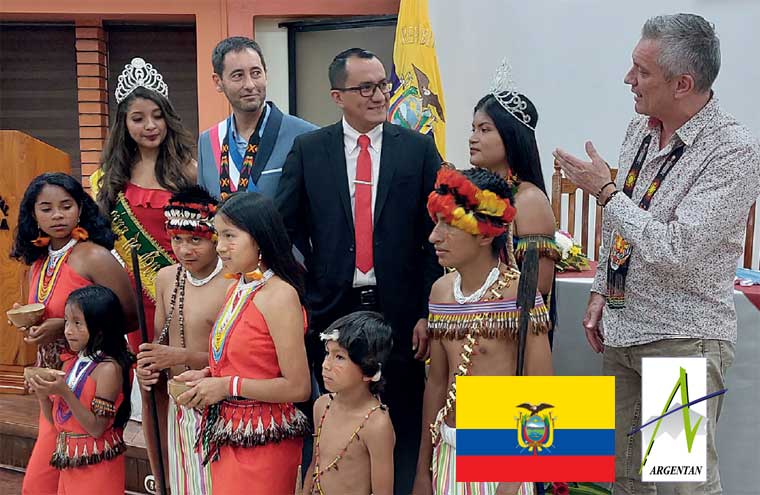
[
  {"x": 444, "y": 470},
  {"x": 187, "y": 475}
]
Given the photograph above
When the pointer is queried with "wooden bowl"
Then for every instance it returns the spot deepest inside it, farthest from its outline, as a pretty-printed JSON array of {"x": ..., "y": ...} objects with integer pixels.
[
  {"x": 48, "y": 374},
  {"x": 177, "y": 388},
  {"x": 27, "y": 315}
]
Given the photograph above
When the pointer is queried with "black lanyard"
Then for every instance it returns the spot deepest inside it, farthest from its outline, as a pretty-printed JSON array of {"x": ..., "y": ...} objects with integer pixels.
[
  {"x": 638, "y": 163},
  {"x": 619, "y": 256}
]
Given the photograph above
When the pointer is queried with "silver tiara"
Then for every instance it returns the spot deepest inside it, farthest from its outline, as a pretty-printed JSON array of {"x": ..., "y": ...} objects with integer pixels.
[
  {"x": 139, "y": 73},
  {"x": 504, "y": 90}
]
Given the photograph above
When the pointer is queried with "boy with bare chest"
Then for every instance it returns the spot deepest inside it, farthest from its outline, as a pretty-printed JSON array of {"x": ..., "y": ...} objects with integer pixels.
[
  {"x": 354, "y": 438},
  {"x": 189, "y": 296},
  {"x": 473, "y": 318}
]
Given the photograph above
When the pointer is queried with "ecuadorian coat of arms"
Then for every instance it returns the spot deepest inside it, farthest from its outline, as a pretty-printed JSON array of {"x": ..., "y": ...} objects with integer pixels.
[{"x": 535, "y": 429}]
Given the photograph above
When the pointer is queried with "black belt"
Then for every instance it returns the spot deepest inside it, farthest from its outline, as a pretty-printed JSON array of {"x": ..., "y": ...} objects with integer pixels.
[{"x": 364, "y": 298}]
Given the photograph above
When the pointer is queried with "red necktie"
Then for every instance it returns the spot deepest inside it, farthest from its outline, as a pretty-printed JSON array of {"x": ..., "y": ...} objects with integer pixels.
[{"x": 363, "y": 206}]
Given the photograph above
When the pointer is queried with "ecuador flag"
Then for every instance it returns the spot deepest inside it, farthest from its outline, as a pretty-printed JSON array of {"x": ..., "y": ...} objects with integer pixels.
[
  {"x": 417, "y": 95},
  {"x": 535, "y": 428}
]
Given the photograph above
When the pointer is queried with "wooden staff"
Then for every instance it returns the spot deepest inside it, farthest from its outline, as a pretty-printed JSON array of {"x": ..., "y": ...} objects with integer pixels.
[
  {"x": 526, "y": 300},
  {"x": 144, "y": 334}
]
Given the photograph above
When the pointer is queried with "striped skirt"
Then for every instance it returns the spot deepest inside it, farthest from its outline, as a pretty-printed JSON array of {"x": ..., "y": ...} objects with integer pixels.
[
  {"x": 444, "y": 470},
  {"x": 187, "y": 476}
]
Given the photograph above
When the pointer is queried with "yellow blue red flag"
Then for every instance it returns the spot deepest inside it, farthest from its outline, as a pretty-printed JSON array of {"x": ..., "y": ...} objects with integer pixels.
[
  {"x": 534, "y": 428},
  {"x": 417, "y": 95}
]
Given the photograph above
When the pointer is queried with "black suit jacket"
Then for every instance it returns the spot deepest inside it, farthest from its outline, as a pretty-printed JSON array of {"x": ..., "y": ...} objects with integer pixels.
[{"x": 313, "y": 198}]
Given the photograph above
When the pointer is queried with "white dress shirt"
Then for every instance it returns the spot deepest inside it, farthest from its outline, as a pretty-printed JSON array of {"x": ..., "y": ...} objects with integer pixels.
[{"x": 350, "y": 140}]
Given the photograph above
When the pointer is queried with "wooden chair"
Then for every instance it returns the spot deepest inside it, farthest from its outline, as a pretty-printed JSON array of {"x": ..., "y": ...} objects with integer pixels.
[
  {"x": 749, "y": 239},
  {"x": 562, "y": 185}
]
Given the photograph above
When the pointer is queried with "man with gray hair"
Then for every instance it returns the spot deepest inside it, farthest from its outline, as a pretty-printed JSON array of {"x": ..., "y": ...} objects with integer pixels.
[{"x": 672, "y": 231}]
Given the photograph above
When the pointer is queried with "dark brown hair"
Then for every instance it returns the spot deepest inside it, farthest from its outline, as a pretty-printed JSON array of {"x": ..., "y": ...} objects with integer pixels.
[{"x": 174, "y": 157}]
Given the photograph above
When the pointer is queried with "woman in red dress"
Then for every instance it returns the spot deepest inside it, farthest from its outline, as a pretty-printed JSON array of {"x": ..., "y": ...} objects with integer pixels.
[
  {"x": 251, "y": 431},
  {"x": 148, "y": 157},
  {"x": 67, "y": 242}
]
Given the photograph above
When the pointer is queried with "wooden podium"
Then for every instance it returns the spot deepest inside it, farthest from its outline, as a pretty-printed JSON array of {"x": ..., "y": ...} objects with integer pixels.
[{"x": 23, "y": 158}]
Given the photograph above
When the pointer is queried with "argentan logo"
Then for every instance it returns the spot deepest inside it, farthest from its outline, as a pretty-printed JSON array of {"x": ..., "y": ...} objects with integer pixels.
[
  {"x": 535, "y": 431},
  {"x": 674, "y": 419}
]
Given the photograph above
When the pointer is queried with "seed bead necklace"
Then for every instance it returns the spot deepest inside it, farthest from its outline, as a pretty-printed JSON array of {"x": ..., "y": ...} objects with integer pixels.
[
  {"x": 50, "y": 270},
  {"x": 334, "y": 464},
  {"x": 469, "y": 343},
  {"x": 179, "y": 286}
]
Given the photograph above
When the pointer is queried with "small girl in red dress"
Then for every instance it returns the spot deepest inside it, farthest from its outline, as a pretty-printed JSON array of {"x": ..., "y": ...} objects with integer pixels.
[{"x": 86, "y": 404}]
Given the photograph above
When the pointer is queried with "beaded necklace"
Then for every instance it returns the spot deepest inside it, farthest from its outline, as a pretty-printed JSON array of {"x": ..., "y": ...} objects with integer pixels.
[
  {"x": 50, "y": 271},
  {"x": 200, "y": 282},
  {"x": 232, "y": 309},
  {"x": 493, "y": 275},
  {"x": 468, "y": 346},
  {"x": 334, "y": 464},
  {"x": 75, "y": 380},
  {"x": 179, "y": 286}
]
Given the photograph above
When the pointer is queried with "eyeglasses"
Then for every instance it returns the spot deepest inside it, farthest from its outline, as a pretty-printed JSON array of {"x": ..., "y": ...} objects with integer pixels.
[{"x": 368, "y": 89}]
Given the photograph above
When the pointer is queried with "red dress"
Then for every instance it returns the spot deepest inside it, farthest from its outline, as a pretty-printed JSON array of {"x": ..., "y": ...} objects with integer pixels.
[
  {"x": 41, "y": 478},
  {"x": 86, "y": 462},
  {"x": 148, "y": 207},
  {"x": 262, "y": 449}
]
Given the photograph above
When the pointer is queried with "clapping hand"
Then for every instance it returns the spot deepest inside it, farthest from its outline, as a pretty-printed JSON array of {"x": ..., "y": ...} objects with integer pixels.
[{"x": 589, "y": 176}]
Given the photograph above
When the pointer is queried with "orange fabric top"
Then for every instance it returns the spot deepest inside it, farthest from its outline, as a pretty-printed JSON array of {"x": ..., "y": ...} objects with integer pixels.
[
  {"x": 249, "y": 350},
  {"x": 49, "y": 355},
  {"x": 68, "y": 281},
  {"x": 88, "y": 393}
]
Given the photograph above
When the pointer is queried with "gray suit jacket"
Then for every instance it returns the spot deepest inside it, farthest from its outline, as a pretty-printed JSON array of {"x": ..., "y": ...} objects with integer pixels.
[{"x": 279, "y": 133}]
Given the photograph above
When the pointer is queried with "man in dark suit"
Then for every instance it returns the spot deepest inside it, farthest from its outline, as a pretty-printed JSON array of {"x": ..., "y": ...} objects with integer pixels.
[{"x": 353, "y": 196}]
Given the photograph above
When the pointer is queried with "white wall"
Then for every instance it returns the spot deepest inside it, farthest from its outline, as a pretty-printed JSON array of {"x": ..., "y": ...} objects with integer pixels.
[
  {"x": 570, "y": 56},
  {"x": 315, "y": 51},
  {"x": 274, "y": 43}
]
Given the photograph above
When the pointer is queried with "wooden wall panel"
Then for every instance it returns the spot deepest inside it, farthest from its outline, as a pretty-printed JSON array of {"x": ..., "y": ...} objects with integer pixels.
[
  {"x": 171, "y": 50},
  {"x": 38, "y": 87}
]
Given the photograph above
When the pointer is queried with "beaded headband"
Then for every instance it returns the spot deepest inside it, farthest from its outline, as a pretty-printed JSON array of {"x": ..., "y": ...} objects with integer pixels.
[
  {"x": 139, "y": 73},
  {"x": 465, "y": 206},
  {"x": 504, "y": 90},
  {"x": 190, "y": 218}
]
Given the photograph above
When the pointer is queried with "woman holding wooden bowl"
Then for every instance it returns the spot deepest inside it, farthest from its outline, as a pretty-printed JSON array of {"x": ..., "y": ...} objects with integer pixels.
[{"x": 66, "y": 241}]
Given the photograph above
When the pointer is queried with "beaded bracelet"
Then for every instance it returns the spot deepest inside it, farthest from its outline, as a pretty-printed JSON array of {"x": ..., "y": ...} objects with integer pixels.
[
  {"x": 234, "y": 390},
  {"x": 601, "y": 189},
  {"x": 609, "y": 198},
  {"x": 103, "y": 407}
]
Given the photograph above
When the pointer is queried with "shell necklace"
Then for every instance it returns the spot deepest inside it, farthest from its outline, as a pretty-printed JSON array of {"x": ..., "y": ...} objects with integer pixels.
[
  {"x": 476, "y": 296},
  {"x": 199, "y": 282}
]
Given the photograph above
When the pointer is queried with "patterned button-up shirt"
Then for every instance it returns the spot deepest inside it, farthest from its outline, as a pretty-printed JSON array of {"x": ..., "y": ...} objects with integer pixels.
[{"x": 686, "y": 246}]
